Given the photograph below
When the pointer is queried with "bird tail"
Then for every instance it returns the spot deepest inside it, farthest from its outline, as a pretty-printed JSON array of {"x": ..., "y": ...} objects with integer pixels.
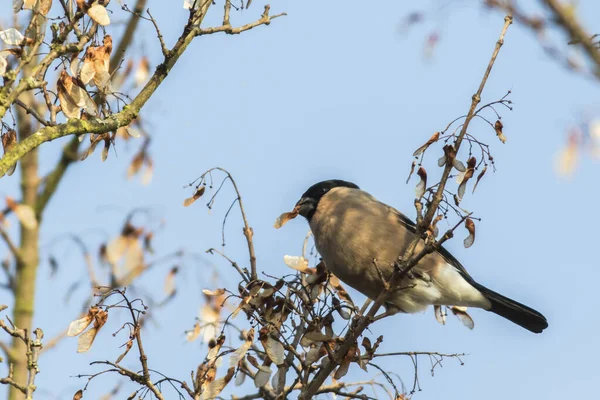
[{"x": 513, "y": 311}]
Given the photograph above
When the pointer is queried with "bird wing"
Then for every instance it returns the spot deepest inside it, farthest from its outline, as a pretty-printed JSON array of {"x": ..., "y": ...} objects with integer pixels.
[{"x": 446, "y": 255}]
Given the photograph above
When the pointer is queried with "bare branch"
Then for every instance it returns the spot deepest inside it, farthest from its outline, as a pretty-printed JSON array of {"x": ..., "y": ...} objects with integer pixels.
[{"x": 407, "y": 261}]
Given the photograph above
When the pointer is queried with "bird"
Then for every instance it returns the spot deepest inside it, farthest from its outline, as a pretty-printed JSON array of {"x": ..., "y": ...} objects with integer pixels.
[{"x": 359, "y": 238}]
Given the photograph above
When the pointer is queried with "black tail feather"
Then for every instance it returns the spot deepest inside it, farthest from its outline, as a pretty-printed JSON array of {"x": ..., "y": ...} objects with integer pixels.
[{"x": 514, "y": 311}]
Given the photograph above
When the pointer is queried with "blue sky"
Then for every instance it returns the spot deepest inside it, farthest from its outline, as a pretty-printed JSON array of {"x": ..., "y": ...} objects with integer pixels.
[{"x": 334, "y": 91}]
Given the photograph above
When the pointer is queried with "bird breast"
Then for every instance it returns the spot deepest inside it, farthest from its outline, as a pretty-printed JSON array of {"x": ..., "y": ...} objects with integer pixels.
[{"x": 351, "y": 230}]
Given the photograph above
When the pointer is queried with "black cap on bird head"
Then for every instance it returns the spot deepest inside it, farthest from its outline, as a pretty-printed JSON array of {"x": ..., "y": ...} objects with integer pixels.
[{"x": 307, "y": 205}]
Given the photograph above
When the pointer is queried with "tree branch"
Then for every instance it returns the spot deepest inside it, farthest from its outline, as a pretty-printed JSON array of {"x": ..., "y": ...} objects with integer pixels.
[
  {"x": 129, "y": 112},
  {"x": 360, "y": 323},
  {"x": 569, "y": 22}
]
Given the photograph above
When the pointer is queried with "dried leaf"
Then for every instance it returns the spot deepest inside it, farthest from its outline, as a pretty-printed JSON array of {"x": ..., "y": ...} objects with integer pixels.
[
  {"x": 567, "y": 158},
  {"x": 498, "y": 127},
  {"x": 25, "y": 215},
  {"x": 78, "y": 395},
  {"x": 170, "y": 281},
  {"x": 442, "y": 161},
  {"x": 9, "y": 139},
  {"x": 128, "y": 346},
  {"x": 217, "y": 292},
  {"x": 298, "y": 263},
  {"x": 105, "y": 150},
  {"x": 468, "y": 242},
  {"x": 136, "y": 164},
  {"x": 210, "y": 319},
  {"x": 215, "y": 387},
  {"x": 465, "y": 176},
  {"x": 199, "y": 192},
  {"x": 87, "y": 69},
  {"x": 240, "y": 353},
  {"x": 440, "y": 315},
  {"x": 262, "y": 376},
  {"x": 73, "y": 96},
  {"x": 86, "y": 339},
  {"x": 315, "y": 354},
  {"x": 29, "y": 4},
  {"x": 240, "y": 379},
  {"x": 17, "y": 6},
  {"x": 479, "y": 178},
  {"x": 275, "y": 379},
  {"x": 3, "y": 65},
  {"x": 45, "y": 6},
  {"x": 456, "y": 163},
  {"x": 12, "y": 37},
  {"x": 343, "y": 368},
  {"x": 412, "y": 169},
  {"x": 79, "y": 325},
  {"x": 461, "y": 313},
  {"x": 148, "y": 173},
  {"x": 193, "y": 334},
  {"x": 422, "y": 185},
  {"x": 98, "y": 13},
  {"x": 284, "y": 218},
  {"x": 317, "y": 336},
  {"x": 274, "y": 350},
  {"x": 214, "y": 348},
  {"x": 434, "y": 138},
  {"x": 142, "y": 72}
]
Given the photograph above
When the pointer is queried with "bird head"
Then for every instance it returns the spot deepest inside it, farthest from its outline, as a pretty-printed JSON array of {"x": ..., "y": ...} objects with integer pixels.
[{"x": 307, "y": 205}]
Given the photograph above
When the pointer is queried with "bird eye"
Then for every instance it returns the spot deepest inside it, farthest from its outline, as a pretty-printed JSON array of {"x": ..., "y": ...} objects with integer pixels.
[{"x": 324, "y": 190}]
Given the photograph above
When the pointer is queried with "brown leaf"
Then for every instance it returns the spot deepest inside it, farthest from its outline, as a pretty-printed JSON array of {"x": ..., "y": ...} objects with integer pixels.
[
  {"x": 470, "y": 225},
  {"x": 105, "y": 149},
  {"x": 434, "y": 138},
  {"x": 128, "y": 346},
  {"x": 461, "y": 313},
  {"x": 98, "y": 13},
  {"x": 86, "y": 339},
  {"x": 464, "y": 177},
  {"x": 193, "y": 334},
  {"x": 440, "y": 315},
  {"x": 498, "y": 127},
  {"x": 567, "y": 158},
  {"x": 262, "y": 376},
  {"x": 412, "y": 169},
  {"x": 422, "y": 185},
  {"x": 214, "y": 346},
  {"x": 142, "y": 72},
  {"x": 9, "y": 139},
  {"x": 79, "y": 325},
  {"x": 274, "y": 350},
  {"x": 148, "y": 173},
  {"x": 479, "y": 178},
  {"x": 170, "y": 281},
  {"x": 45, "y": 6},
  {"x": 136, "y": 164},
  {"x": 298, "y": 263},
  {"x": 73, "y": 96},
  {"x": 24, "y": 213},
  {"x": 343, "y": 368},
  {"x": 199, "y": 192},
  {"x": 317, "y": 336},
  {"x": 284, "y": 218},
  {"x": 78, "y": 395},
  {"x": 215, "y": 387},
  {"x": 240, "y": 353},
  {"x": 456, "y": 163},
  {"x": 217, "y": 292}
]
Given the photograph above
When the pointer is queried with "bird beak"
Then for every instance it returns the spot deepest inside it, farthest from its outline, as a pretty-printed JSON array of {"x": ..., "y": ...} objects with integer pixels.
[{"x": 305, "y": 206}]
